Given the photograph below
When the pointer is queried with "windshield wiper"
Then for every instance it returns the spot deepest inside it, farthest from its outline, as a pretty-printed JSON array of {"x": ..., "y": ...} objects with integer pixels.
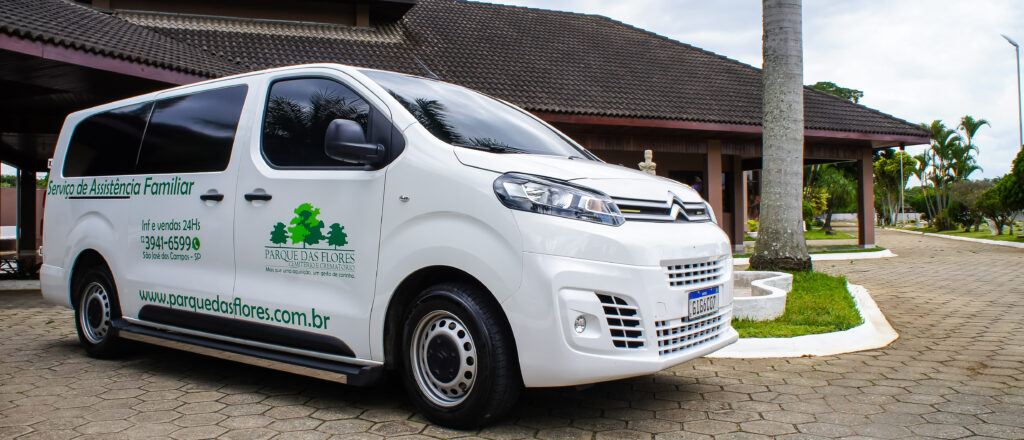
[{"x": 494, "y": 148}]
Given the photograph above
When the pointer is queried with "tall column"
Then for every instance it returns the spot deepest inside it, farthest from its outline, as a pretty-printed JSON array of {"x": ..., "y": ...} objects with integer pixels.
[
  {"x": 739, "y": 205},
  {"x": 866, "y": 202},
  {"x": 713, "y": 172},
  {"x": 26, "y": 219},
  {"x": 362, "y": 15}
]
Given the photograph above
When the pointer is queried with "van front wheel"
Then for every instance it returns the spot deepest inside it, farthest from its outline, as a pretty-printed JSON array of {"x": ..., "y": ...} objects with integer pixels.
[
  {"x": 461, "y": 369},
  {"x": 96, "y": 308}
]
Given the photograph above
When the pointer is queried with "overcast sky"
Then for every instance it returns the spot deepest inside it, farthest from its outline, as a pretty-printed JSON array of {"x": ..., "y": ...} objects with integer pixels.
[{"x": 918, "y": 60}]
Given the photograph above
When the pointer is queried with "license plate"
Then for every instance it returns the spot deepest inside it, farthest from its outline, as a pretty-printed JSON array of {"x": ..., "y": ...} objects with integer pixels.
[{"x": 703, "y": 301}]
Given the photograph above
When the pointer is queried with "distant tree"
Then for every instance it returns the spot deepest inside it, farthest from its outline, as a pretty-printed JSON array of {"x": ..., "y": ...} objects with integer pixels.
[
  {"x": 279, "y": 235},
  {"x": 11, "y": 181},
  {"x": 1018, "y": 169},
  {"x": 888, "y": 183},
  {"x": 814, "y": 204},
  {"x": 992, "y": 206},
  {"x": 1011, "y": 194},
  {"x": 922, "y": 171},
  {"x": 969, "y": 127},
  {"x": 961, "y": 214},
  {"x": 839, "y": 190},
  {"x": 306, "y": 227},
  {"x": 336, "y": 236},
  {"x": 919, "y": 199},
  {"x": 967, "y": 193},
  {"x": 852, "y": 95}
]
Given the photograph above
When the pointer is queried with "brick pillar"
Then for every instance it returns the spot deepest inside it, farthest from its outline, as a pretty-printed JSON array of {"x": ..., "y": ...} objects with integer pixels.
[
  {"x": 713, "y": 172},
  {"x": 739, "y": 205},
  {"x": 26, "y": 219},
  {"x": 866, "y": 202}
]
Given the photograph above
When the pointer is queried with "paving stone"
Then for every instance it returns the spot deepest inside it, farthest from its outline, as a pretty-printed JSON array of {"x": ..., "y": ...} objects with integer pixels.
[
  {"x": 563, "y": 433},
  {"x": 882, "y": 430},
  {"x": 198, "y": 432},
  {"x": 768, "y": 427},
  {"x": 956, "y": 371},
  {"x": 710, "y": 426},
  {"x": 940, "y": 431}
]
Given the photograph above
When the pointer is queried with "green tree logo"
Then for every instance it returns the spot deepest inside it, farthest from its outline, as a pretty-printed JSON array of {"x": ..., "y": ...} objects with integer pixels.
[
  {"x": 279, "y": 235},
  {"x": 306, "y": 227},
  {"x": 337, "y": 236}
]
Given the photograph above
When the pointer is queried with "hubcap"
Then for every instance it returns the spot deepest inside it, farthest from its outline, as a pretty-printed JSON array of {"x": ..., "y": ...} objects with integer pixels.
[
  {"x": 95, "y": 312},
  {"x": 444, "y": 358}
]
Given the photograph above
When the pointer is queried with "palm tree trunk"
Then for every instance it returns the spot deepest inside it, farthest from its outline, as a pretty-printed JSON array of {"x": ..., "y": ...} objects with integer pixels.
[{"x": 780, "y": 242}]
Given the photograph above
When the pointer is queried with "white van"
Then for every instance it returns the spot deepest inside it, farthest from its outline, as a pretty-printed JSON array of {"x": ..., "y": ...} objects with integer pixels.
[{"x": 339, "y": 222}]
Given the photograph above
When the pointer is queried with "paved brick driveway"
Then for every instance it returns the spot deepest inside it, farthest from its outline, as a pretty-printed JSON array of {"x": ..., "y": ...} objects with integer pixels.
[{"x": 957, "y": 371}]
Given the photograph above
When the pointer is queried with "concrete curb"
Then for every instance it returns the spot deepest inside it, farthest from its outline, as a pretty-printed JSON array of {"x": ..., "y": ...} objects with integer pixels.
[
  {"x": 767, "y": 298},
  {"x": 953, "y": 237},
  {"x": 884, "y": 253},
  {"x": 874, "y": 333}
]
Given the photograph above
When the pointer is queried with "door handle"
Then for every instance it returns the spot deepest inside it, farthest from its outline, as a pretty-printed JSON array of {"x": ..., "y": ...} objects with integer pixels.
[
  {"x": 211, "y": 197},
  {"x": 258, "y": 196}
]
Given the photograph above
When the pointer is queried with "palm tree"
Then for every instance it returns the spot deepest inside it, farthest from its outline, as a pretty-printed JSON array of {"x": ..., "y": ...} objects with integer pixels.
[
  {"x": 922, "y": 172},
  {"x": 781, "y": 243},
  {"x": 970, "y": 126}
]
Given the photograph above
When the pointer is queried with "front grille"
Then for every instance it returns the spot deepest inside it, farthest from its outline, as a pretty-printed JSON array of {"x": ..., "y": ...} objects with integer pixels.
[
  {"x": 623, "y": 322},
  {"x": 671, "y": 210},
  {"x": 694, "y": 273},
  {"x": 682, "y": 334}
]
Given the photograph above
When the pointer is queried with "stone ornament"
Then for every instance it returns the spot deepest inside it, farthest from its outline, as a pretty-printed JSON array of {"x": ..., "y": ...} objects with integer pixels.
[{"x": 648, "y": 165}]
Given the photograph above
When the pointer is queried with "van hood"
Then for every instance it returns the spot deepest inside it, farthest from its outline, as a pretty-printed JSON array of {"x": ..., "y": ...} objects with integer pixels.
[{"x": 614, "y": 180}]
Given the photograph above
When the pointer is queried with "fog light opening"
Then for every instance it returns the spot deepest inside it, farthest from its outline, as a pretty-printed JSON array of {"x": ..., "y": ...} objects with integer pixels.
[{"x": 581, "y": 324}]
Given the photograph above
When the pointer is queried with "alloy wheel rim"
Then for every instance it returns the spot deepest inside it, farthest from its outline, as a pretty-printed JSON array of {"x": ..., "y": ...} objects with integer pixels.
[{"x": 444, "y": 358}]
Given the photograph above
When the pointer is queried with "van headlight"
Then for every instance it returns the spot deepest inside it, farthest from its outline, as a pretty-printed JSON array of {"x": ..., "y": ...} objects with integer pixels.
[
  {"x": 711, "y": 213},
  {"x": 552, "y": 197}
]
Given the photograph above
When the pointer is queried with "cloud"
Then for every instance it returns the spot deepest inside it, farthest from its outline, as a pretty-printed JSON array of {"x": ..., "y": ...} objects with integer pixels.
[{"x": 918, "y": 60}]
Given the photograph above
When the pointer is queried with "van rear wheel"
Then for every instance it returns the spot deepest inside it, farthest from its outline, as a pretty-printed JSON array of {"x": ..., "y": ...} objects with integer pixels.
[
  {"x": 97, "y": 306},
  {"x": 460, "y": 366}
]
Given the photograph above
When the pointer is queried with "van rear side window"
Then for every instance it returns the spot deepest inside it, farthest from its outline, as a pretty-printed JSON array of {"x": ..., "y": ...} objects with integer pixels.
[
  {"x": 107, "y": 143},
  {"x": 192, "y": 133}
]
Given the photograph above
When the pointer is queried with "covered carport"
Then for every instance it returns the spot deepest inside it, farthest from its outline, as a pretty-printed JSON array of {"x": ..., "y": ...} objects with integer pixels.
[{"x": 47, "y": 70}]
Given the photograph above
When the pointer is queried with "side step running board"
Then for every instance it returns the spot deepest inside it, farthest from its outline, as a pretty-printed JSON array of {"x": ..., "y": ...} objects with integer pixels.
[{"x": 290, "y": 363}]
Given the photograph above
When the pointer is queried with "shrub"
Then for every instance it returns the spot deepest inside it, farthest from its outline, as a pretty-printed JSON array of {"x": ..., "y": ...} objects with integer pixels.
[{"x": 753, "y": 224}]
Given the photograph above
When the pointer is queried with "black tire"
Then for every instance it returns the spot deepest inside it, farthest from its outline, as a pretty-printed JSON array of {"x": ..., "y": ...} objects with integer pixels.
[
  {"x": 460, "y": 366},
  {"x": 96, "y": 306}
]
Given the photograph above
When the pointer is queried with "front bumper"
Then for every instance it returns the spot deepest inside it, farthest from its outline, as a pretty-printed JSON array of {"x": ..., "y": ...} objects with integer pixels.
[{"x": 636, "y": 317}]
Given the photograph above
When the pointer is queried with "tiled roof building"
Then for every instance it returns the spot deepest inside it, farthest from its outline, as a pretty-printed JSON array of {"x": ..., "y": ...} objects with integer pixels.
[{"x": 615, "y": 88}]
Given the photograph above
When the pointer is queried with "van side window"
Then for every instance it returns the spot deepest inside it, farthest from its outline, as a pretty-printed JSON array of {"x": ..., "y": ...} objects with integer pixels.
[
  {"x": 107, "y": 144},
  {"x": 192, "y": 133},
  {"x": 298, "y": 112}
]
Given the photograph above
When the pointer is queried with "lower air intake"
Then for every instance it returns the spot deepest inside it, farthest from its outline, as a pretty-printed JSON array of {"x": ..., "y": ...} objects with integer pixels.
[{"x": 623, "y": 322}]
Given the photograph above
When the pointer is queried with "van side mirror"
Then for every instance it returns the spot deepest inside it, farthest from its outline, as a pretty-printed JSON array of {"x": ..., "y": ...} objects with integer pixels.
[{"x": 346, "y": 141}]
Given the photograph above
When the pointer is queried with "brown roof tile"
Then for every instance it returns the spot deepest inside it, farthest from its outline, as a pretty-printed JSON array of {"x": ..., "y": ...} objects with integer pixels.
[
  {"x": 542, "y": 60},
  {"x": 67, "y": 24}
]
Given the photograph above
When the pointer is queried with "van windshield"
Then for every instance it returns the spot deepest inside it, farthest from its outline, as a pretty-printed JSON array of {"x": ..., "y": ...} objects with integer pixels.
[{"x": 468, "y": 119}]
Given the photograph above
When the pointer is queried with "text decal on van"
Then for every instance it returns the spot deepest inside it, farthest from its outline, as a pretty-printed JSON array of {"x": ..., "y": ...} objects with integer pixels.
[
  {"x": 296, "y": 248},
  {"x": 106, "y": 188}
]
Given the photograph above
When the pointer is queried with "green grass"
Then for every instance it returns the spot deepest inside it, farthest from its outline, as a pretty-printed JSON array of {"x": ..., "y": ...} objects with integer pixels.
[
  {"x": 818, "y": 234},
  {"x": 838, "y": 249},
  {"x": 815, "y": 234},
  {"x": 844, "y": 249},
  {"x": 983, "y": 233},
  {"x": 819, "y": 303}
]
